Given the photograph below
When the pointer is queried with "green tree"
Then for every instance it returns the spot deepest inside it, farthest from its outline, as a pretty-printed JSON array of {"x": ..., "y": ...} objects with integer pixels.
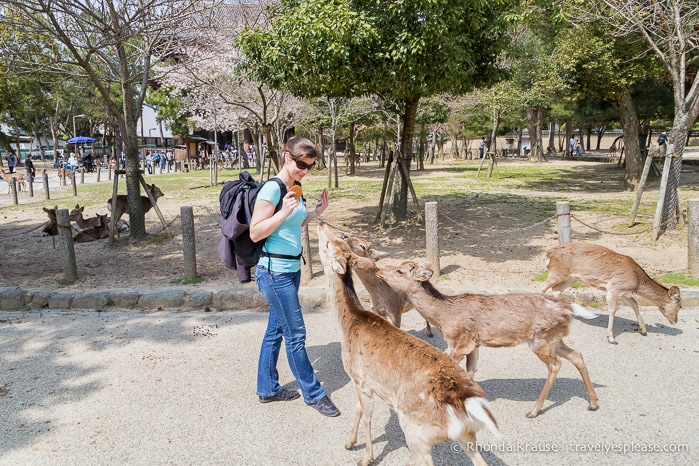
[
  {"x": 398, "y": 50},
  {"x": 104, "y": 42}
]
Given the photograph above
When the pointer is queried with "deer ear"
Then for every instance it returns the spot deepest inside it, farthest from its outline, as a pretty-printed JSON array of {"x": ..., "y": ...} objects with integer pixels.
[
  {"x": 376, "y": 255},
  {"x": 423, "y": 274},
  {"x": 339, "y": 265},
  {"x": 675, "y": 293}
]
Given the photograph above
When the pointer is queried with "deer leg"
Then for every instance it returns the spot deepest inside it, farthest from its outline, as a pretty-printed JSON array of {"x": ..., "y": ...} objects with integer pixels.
[
  {"x": 429, "y": 329},
  {"x": 460, "y": 349},
  {"x": 545, "y": 351},
  {"x": 365, "y": 408},
  {"x": 472, "y": 361},
  {"x": 419, "y": 446},
  {"x": 612, "y": 306},
  {"x": 468, "y": 444},
  {"x": 556, "y": 283},
  {"x": 631, "y": 301},
  {"x": 576, "y": 358}
]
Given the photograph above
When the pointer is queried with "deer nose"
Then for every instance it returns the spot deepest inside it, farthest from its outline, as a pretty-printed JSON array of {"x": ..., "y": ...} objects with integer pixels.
[{"x": 321, "y": 223}]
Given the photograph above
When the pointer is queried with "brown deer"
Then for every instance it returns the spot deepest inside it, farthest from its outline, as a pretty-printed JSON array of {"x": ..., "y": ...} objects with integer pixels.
[
  {"x": 468, "y": 321},
  {"x": 435, "y": 399},
  {"x": 100, "y": 231},
  {"x": 76, "y": 215},
  {"x": 50, "y": 228},
  {"x": 121, "y": 204},
  {"x": 619, "y": 275},
  {"x": 19, "y": 177},
  {"x": 385, "y": 301}
]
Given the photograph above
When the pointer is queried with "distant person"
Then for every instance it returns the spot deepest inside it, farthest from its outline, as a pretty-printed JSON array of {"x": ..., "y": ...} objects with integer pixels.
[
  {"x": 12, "y": 161},
  {"x": 572, "y": 145},
  {"x": 662, "y": 144},
  {"x": 481, "y": 148},
  {"x": 29, "y": 166},
  {"x": 72, "y": 162}
]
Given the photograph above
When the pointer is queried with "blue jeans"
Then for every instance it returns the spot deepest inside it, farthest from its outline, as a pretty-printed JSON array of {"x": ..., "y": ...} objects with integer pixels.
[{"x": 285, "y": 322}]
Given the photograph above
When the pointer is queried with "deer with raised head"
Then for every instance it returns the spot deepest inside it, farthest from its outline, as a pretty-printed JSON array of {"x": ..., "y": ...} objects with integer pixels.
[
  {"x": 100, "y": 231},
  {"x": 468, "y": 321},
  {"x": 121, "y": 206},
  {"x": 434, "y": 398},
  {"x": 76, "y": 215},
  {"x": 620, "y": 276},
  {"x": 50, "y": 228},
  {"x": 385, "y": 301}
]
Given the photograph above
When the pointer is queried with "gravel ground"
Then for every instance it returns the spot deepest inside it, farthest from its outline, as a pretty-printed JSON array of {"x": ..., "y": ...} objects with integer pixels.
[{"x": 179, "y": 388}]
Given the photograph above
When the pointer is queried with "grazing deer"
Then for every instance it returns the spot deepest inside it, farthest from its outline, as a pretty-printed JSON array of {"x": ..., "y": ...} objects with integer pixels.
[
  {"x": 435, "y": 399},
  {"x": 468, "y": 321},
  {"x": 21, "y": 183},
  {"x": 50, "y": 228},
  {"x": 385, "y": 301},
  {"x": 612, "y": 150},
  {"x": 619, "y": 275},
  {"x": 100, "y": 231},
  {"x": 121, "y": 204}
]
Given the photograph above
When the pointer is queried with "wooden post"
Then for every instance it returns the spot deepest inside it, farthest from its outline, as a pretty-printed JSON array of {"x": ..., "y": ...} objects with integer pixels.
[
  {"x": 661, "y": 198},
  {"x": 432, "y": 235},
  {"x": 639, "y": 193},
  {"x": 306, "y": 266},
  {"x": 99, "y": 171},
  {"x": 13, "y": 187},
  {"x": 189, "y": 253},
  {"x": 563, "y": 212},
  {"x": 693, "y": 237},
  {"x": 82, "y": 175},
  {"x": 30, "y": 184},
  {"x": 63, "y": 177},
  {"x": 65, "y": 235},
  {"x": 109, "y": 171},
  {"x": 112, "y": 219},
  {"x": 47, "y": 194},
  {"x": 72, "y": 183},
  {"x": 155, "y": 206}
]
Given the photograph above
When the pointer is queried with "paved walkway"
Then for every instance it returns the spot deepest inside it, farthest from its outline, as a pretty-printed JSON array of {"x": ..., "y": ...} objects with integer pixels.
[{"x": 83, "y": 388}]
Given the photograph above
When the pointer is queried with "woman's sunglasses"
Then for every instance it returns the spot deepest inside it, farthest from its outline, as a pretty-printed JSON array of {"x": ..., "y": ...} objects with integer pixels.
[{"x": 300, "y": 164}]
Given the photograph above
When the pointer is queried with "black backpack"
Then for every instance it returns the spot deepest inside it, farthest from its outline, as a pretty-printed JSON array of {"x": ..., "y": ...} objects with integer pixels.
[{"x": 237, "y": 200}]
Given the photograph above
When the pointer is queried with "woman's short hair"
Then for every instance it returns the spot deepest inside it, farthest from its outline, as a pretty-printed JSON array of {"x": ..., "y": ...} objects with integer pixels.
[{"x": 300, "y": 147}]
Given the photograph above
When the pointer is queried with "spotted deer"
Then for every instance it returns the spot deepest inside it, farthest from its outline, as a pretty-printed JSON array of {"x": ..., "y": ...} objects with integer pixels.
[{"x": 434, "y": 398}]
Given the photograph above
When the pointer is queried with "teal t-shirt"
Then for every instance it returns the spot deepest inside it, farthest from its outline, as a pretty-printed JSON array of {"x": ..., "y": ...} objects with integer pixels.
[{"x": 287, "y": 238}]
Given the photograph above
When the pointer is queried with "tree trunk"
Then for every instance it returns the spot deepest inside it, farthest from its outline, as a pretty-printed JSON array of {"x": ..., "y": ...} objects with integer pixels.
[
  {"x": 671, "y": 203},
  {"x": 352, "y": 152},
  {"x": 403, "y": 158},
  {"x": 569, "y": 134},
  {"x": 632, "y": 149}
]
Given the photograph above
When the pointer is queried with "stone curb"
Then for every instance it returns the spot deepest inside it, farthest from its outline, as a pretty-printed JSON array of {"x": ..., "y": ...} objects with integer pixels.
[{"x": 232, "y": 299}]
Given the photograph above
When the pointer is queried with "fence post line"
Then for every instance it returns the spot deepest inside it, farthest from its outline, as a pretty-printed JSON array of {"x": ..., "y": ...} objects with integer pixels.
[
  {"x": 45, "y": 176},
  {"x": 432, "y": 235},
  {"x": 65, "y": 235},
  {"x": 693, "y": 237},
  {"x": 189, "y": 253},
  {"x": 563, "y": 212},
  {"x": 73, "y": 185},
  {"x": 306, "y": 266},
  {"x": 13, "y": 187}
]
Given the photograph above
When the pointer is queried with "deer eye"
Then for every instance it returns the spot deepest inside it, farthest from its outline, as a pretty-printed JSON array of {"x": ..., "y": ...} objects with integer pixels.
[{"x": 363, "y": 247}]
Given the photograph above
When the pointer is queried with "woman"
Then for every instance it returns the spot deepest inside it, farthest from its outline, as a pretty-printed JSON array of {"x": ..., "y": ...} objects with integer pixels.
[{"x": 278, "y": 279}]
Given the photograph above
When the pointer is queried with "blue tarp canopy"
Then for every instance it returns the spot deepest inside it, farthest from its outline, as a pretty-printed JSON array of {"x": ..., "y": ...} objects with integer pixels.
[{"x": 81, "y": 140}]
